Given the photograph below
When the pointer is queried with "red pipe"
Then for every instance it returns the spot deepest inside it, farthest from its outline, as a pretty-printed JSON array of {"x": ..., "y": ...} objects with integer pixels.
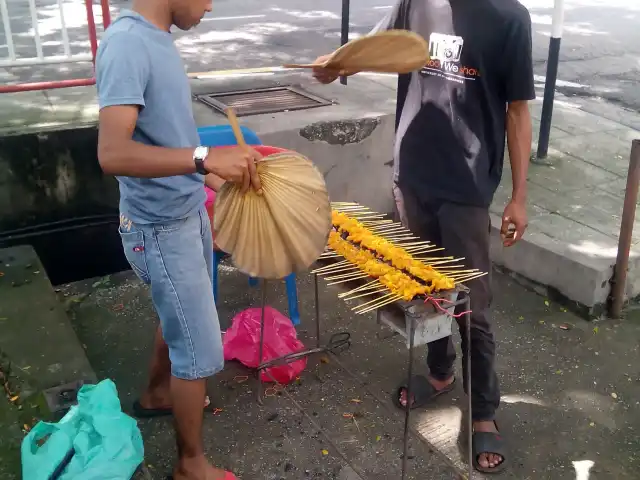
[
  {"x": 91, "y": 25},
  {"x": 106, "y": 13},
  {"x": 29, "y": 87}
]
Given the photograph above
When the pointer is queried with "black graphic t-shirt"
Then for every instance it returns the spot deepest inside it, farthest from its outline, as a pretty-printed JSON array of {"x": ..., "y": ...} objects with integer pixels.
[{"x": 451, "y": 114}]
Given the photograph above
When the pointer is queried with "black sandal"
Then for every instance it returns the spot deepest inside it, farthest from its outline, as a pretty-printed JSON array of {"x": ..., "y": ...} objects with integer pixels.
[
  {"x": 141, "y": 412},
  {"x": 422, "y": 392},
  {"x": 489, "y": 442}
]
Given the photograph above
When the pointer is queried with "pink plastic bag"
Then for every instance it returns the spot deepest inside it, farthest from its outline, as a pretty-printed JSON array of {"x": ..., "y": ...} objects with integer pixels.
[{"x": 242, "y": 343}]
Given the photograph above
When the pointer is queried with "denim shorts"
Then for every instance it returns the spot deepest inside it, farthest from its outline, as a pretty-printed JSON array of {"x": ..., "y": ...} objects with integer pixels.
[{"x": 176, "y": 260}]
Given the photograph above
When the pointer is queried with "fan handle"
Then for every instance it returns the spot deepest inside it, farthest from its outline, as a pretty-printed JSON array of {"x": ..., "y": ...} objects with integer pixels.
[{"x": 235, "y": 126}]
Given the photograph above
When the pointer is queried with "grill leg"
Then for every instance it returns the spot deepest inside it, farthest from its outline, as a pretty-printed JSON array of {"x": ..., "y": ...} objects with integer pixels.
[
  {"x": 264, "y": 304},
  {"x": 315, "y": 285},
  {"x": 467, "y": 308},
  {"x": 407, "y": 410}
]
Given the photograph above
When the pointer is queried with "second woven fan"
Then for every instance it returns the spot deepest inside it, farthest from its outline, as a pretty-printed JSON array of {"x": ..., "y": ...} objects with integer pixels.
[
  {"x": 282, "y": 230},
  {"x": 391, "y": 51}
]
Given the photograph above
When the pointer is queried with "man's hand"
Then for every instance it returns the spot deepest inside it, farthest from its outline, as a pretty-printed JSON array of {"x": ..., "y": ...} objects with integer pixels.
[
  {"x": 327, "y": 75},
  {"x": 235, "y": 164},
  {"x": 514, "y": 223}
]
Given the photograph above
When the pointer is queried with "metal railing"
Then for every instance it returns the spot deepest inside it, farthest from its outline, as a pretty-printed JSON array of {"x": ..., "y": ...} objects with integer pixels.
[{"x": 12, "y": 60}]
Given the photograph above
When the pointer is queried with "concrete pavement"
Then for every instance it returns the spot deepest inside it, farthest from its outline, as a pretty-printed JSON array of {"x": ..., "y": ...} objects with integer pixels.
[{"x": 569, "y": 406}]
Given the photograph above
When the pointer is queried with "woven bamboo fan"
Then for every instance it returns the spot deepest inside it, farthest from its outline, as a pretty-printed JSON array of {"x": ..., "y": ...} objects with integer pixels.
[
  {"x": 391, "y": 51},
  {"x": 282, "y": 230}
]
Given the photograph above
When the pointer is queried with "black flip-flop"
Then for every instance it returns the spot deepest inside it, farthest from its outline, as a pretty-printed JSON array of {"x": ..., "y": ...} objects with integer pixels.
[
  {"x": 141, "y": 412},
  {"x": 422, "y": 392},
  {"x": 489, "y": 442}
]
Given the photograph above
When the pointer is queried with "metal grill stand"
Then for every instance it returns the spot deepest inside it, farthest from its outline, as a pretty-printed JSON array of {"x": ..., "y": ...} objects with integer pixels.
[{"x": 418, "y": 323}]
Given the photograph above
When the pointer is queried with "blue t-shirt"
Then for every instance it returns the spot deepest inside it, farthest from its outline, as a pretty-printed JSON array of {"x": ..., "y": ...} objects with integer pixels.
[{"x": 138, "y": 64}]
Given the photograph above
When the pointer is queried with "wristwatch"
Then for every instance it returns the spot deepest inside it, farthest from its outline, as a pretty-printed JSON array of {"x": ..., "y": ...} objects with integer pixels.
[{"x": 199, "y": 156}]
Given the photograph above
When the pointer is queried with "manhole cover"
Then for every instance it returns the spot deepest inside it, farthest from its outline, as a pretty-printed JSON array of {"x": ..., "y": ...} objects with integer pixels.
[{"x": 261, "y": 101}]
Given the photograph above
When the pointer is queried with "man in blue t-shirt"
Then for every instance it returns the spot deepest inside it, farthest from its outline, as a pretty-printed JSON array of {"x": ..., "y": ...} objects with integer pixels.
[
  {"x": 149, "y": 141},
  {"x": 451, "y": 122}
]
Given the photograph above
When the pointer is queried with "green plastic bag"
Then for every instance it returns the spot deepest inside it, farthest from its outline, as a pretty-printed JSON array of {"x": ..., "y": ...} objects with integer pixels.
[{"x": 95, "y": 440}]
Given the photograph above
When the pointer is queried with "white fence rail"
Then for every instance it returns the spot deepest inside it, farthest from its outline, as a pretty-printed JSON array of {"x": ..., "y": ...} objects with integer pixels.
[{"x": 25, "y": 44}]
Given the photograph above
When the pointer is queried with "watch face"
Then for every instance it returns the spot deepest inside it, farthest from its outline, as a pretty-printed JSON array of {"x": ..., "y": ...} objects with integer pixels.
[{"x": 200, "y": 152}]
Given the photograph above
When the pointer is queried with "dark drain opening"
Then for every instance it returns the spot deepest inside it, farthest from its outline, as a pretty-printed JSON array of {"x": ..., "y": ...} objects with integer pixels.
[
  {"x": 74, "y": 249},
  {"x": 262, "y": 101}
]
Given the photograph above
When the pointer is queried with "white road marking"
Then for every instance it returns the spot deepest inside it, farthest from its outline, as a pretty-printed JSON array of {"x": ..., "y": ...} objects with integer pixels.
[
  {"x": 241, "y": 17},
  {"x": 559, "y": 83}
]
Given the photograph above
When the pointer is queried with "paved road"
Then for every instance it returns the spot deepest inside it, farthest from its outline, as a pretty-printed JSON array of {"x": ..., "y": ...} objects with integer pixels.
[{"x": 600, "y": 51}]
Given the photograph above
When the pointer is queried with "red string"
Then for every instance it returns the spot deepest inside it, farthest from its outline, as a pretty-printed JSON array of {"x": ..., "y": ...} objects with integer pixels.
[{"x": 436, "y": 303}]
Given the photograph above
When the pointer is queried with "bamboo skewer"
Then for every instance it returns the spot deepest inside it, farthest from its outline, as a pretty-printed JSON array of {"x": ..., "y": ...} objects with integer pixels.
[
  {"x": 358, "y": 289},
  {"x": 318, "y": 270},
  {"x": 422, "y": 259},
  {"x": 417, "y": 244},
  {"x": 471, "y": 277},
  {"x": 346, "y": 275},
  {"x": 380, "y": 290},
  {"x": 393, "y": 299},
  {"x": 372, "y": 288},
  {"x": 364, "y": 275},
  {"x": 388, "y": 295},
  {"x": 451, "y": 272},
  {"x": 387, "y": 227}
]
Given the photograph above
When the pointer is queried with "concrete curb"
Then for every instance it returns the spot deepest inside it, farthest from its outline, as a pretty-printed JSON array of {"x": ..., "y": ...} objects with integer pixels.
[
  {"x": 36, "y": 335},
  {"x": 561, "y": 272}
]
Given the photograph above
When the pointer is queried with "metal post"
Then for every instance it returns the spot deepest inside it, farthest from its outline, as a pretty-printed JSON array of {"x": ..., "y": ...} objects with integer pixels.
[
  {"x": 344, "y": 34},
  {"x": 550, "y": 80},
  {"x": 626, "y": 231}
]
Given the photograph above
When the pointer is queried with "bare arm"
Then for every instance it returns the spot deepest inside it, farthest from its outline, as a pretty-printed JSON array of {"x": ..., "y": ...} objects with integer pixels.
[
  {"x": 214, "y": 182},
  {"x": 119, "y": 154},
  {"x": 514, "y": 219},
  {"x": 519, "y": 145}
]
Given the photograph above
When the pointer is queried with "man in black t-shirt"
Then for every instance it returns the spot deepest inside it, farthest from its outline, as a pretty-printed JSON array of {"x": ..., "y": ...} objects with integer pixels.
[{"x": 452, "y": 117}]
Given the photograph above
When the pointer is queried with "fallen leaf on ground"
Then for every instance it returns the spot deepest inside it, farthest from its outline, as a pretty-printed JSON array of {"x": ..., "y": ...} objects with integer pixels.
[
  {"x": 14, "y": 398},
  {"x": 595, "y": 330},
  {"x": 325, "y": 452},
  {"x": 546, "y": 302},
  {"x": 355, "y": 400},
  {"x": 614, "y": 395}
]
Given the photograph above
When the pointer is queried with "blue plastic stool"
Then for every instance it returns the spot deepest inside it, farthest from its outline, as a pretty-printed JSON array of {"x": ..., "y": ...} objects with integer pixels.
[{"x": 219, "y": 136}]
